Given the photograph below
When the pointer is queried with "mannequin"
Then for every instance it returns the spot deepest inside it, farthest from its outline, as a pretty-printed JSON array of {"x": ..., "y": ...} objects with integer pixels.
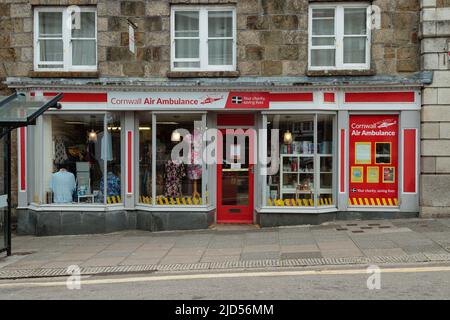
[
  {"x": 62, "y": 185},
  {"x": 194, "y": 174}
]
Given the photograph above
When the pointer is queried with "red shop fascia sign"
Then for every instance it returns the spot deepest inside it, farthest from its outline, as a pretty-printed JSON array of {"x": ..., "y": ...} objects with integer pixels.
[{"x": 258, "y": 100}]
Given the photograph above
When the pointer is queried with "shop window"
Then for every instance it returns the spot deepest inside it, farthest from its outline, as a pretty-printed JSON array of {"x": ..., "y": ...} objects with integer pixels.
[
  {"x": 325, "y": 159},
  {"x": 304, "y": 152},
  {"x": 339, "y": 37},
  {"x": 178, "y": 171},
  {"x": 65, "y": 39},
  {"x": 383, "y": 152},
  {"x": 111, "y": 151},
  {"x": 145, "y": 158},
  {"x": 78, "y": 160},
  {"x": 204, "y": 39}
]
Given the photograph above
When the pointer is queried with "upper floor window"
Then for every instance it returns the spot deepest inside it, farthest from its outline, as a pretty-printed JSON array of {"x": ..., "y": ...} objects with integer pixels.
[
  {"x": 203, "y": 38},
  {"x": 339, "y": 37},
  {"x": 65, "y": 39}
]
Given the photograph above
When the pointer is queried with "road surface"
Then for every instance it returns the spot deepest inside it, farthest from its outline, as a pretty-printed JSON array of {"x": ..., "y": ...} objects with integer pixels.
[{"x": 396, "y": 282}]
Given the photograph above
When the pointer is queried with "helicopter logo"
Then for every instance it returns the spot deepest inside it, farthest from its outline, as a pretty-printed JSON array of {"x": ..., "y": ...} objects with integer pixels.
[
  {"x": 210, "y": 100},
  {"x": 386, "y": 124}
]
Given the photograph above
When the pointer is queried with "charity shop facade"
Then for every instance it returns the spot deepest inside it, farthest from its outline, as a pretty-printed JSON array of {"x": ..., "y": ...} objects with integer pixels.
[{"x": 169, "y": 159}]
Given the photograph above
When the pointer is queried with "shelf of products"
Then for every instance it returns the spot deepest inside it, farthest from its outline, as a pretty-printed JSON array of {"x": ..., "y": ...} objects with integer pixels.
[{"x": 297, "y": 175}]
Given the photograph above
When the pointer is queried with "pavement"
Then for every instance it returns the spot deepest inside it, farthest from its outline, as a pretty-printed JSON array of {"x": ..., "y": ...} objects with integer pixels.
[{"x": 343, "y": 242}]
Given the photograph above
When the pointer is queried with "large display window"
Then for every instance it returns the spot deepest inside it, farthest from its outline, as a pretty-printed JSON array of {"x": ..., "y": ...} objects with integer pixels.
[
  {"x": 78, "y": 159},
  {"x": 172, "y": 171},
  {"x": 301, "y": 152}
]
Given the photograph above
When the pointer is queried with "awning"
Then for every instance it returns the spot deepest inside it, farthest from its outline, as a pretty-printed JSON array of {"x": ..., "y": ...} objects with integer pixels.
[{"x": 19, "y": 110}]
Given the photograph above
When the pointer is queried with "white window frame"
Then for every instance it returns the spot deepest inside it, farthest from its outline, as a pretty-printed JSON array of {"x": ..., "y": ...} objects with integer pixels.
[
  {"x": 203, "y": 38},
  {"x": 339, "y": 37},
  {"x": 67, "y": 42},
  {"x": 37, "y": 168}
]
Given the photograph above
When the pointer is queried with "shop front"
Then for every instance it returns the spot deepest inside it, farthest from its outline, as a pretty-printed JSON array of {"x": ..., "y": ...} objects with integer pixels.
[{"x": 185, "y": 159}]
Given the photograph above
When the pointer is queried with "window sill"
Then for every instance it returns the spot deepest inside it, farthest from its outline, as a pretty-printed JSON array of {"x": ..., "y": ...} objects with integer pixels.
[
  {"x": 328, "y": 73},
  {"x": 74, "y": 207},
  {"x": 148, "y": 207},
  {"x": 294, "y": 210},
  {"x": 203, "y": 74},
  {"x": 64, "y": 74}
]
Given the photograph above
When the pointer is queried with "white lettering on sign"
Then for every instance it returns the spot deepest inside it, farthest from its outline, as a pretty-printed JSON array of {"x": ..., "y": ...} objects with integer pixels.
[
  {"x": 167, "y": 99},
  {"x": 188, "y": 100},
  {"x": 374, "y": 129}
]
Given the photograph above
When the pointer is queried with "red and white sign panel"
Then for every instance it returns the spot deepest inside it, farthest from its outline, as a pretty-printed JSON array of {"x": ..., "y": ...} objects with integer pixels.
[
  {"x": 373, "y": 160},
  {"x": 188, "y": 100}
]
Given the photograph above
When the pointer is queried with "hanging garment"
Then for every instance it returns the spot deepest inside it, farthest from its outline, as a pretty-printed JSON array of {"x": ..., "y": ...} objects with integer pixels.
[
  {"x": 174, "y": 173},
  {"x": 63, "y": 185},
  {"x": 108, "y": 153},
  {"x": 146, "y": 185},
  {"x": 113, "y": 185},
  {"x": 60, "y": 151},
  {"x": 90, "y": 152}
]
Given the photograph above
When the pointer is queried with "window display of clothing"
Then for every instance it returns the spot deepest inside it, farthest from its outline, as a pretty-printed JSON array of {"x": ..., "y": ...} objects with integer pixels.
[
  {"x": 174, "y": 172},
  {"x": 113, "y": 185},
  {"x": 62, "y": 185},
  {"x": 60, "y": 151}
]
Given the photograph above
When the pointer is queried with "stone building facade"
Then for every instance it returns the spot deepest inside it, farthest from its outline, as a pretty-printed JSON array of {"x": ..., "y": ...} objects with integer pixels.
[
  {"x": 435, "y": 56},
  {"x": 272, "y": 37}
]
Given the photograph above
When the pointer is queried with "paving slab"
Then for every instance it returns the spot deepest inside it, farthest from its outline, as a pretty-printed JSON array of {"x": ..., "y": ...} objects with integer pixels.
[
  {"x": 221, "y": 258},
  {"x": 300, "y": 255},
  {"x": 185, "y": 251},
  {"x": 261, "y": 248},
  {"x": 103, "y": 262},
  {"x": 223, "y": 252},
  {"x": 180, "y": 259},
  {"x": 138, "y": 262},
  {"x": 384, "y": 252},
  {"x": 260, "y": 255},
  {"x": 299, "y": 248},
  {"x": 62, "y": 264}
]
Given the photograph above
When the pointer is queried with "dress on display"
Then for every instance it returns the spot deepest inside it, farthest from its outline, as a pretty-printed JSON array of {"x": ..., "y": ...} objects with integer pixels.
[
  {"x": 174, "y": 173},
  {"x": 113, "y": 185}
]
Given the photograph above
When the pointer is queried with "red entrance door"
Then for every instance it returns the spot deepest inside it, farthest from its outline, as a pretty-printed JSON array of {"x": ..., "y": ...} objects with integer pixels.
[{"x": 235, "y": 176}]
